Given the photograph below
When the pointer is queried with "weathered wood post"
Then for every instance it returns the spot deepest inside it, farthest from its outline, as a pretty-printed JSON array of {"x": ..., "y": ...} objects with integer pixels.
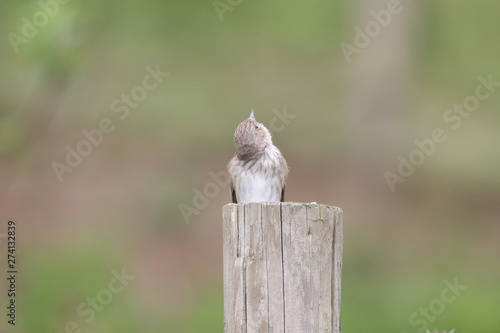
[{"x": 282, "y": 268}]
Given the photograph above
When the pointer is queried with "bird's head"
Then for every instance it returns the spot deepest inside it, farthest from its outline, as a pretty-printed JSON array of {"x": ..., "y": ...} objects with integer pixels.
[{"x": 251, "y": 138}]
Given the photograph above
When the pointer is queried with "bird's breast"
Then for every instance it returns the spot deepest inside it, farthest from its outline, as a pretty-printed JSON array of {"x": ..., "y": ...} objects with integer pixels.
[{"x": 258, "y": 187}]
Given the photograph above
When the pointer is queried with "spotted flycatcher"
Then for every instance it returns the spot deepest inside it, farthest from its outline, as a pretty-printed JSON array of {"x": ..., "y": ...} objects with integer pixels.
[{"x": 258, "y": 170}]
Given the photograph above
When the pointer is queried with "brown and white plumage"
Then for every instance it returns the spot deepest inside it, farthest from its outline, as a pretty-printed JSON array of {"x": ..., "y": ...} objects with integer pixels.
[{"x": 258, "y": 171}]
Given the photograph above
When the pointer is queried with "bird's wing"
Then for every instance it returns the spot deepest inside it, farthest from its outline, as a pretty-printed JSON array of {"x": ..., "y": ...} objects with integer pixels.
[
  {"x": 233, "y": 194},
  {"x": 283, "y": 194}
]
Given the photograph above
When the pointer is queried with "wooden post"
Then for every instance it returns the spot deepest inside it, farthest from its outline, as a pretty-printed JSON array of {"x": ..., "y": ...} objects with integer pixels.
[{"x": 282, "y": 268}]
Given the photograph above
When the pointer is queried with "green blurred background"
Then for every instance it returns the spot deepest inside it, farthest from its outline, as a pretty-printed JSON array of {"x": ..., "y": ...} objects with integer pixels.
[{"x": 120, "y": 208}]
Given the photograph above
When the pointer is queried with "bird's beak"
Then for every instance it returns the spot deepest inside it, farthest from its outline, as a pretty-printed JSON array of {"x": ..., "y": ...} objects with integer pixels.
[{"x": 252, "y": 115}]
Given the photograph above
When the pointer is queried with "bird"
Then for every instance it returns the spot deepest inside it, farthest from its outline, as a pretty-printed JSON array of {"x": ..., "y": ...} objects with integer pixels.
[{"x": 258, "y": 170}]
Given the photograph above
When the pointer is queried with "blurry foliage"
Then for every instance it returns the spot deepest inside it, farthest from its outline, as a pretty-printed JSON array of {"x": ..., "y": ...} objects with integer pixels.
[
  {"x": 11, "y": 137},
  {"x": 57, "y": 282}
]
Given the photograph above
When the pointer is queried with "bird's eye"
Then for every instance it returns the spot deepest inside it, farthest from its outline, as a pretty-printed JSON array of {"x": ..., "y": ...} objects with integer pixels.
[{"x": 256, "y": 126}]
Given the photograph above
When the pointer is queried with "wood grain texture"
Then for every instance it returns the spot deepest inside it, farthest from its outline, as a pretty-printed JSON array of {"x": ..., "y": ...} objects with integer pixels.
[{"x": 282, "y": 267}]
